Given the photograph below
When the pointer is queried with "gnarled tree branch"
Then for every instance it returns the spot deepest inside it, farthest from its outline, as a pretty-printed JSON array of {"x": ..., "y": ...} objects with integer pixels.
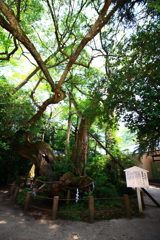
[{"x": 13, "y": 26}]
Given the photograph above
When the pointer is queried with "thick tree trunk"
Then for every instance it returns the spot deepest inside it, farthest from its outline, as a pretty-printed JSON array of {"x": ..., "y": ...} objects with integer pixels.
[
  {"x": 69, "y": 128},
  {"x": 80, "y": 153}
]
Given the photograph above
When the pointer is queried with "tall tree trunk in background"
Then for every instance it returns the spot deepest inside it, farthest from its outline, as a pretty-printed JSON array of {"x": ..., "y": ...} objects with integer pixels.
[
  {"x": 80, "y": 152},
  {"x": 69, "y": 128},
  {"x": 110, "y": 140}
]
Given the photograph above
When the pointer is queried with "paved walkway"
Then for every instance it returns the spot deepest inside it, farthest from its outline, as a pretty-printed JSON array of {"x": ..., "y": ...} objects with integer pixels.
[{"x": 14, "y": 225}]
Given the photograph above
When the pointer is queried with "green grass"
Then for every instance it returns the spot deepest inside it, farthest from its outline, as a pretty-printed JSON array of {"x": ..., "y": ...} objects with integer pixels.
[{"x": 74, "y": 211}]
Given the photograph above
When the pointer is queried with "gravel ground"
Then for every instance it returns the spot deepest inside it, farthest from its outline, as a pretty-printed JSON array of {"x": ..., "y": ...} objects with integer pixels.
[{"x": 14, "y": 225}]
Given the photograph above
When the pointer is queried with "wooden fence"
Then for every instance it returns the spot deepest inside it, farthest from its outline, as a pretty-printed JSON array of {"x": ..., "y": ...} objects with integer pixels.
[{"x": 14, "y": 191}]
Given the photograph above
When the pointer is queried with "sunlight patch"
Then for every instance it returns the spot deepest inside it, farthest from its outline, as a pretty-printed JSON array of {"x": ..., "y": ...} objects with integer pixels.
[
  {"x": 54, "y": 226},
  {"x": 3, "y": 222},
  {"x": 75, "y": 237}
]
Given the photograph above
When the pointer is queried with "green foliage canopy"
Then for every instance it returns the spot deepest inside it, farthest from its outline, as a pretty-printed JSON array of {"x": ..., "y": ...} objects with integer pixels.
[
  {"x": 15, "y": 109},
  {"x": 134, "y": 85}
]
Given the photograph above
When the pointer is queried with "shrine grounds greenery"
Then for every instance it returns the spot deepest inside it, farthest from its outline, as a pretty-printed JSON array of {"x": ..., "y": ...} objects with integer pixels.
[
  {"x": 107, "y": 176},
  {"x": 104, "y": 209},
  {"x": 109, "y": 188},
  {"x": 90, "y": 100}
]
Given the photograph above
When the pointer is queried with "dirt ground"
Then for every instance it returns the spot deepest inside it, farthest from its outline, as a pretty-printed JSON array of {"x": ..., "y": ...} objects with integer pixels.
[{"x": 14, "y": 225}]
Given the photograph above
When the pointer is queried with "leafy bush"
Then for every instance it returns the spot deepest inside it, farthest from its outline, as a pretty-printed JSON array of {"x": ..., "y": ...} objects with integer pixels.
[
  {"x": 12, "y": 165},
  {"x": 43, "y": 178},
  {"x": 111, "y": 203},
  {"x": 61, "y": 167},
  {"x": 74, "y": 211},
  {"x": 109, "y": 176},
  {"x": 21, "y": 198},
  {"x": 15, "y": 110}
]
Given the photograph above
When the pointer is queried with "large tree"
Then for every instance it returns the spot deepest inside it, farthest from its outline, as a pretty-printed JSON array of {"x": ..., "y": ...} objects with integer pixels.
[{"x": 55, "y": 37}]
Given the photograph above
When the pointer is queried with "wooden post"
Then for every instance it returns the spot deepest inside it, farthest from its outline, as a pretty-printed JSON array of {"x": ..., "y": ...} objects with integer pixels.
[
  {"x": 127, "y": 205},
  {"x": 139, "y": 200},
  {"x": 91, "y": 209},
  {"x": 16, "y": 192},
  {"x": 55, "y": 207},
  {"x": 28, "y": 198},
  {"x": 11, "y": 190},
  {"x": 68, "y": 196}
]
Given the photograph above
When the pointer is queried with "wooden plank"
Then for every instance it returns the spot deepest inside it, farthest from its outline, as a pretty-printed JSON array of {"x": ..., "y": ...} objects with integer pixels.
[
  {"x": 91, "y": 209},
  {"x": 127, "y": 205},
  {"x": 28, "y": 198},
  {"x": 68, "y": 196}
]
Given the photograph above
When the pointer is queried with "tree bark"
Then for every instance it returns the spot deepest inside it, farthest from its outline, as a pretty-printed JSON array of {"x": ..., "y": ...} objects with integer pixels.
[
  {"x": 68, "y": 128},
  {"x": 80, "y": 152}
]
